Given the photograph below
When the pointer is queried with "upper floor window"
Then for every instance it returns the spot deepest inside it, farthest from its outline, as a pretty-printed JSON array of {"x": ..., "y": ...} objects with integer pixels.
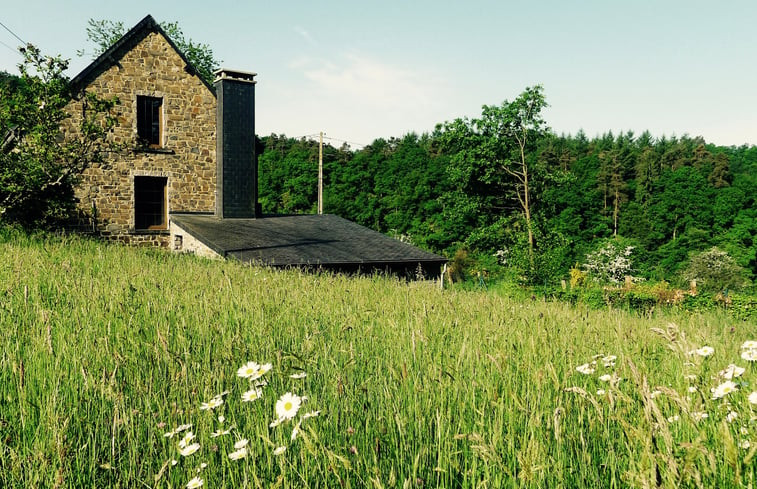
[{"x": 150, "y": 121}]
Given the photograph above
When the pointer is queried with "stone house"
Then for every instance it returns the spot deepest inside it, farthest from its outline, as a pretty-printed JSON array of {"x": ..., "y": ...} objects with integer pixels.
[
  {"x": 185, "y": 176},
  {"x": 167, "y": 134}
]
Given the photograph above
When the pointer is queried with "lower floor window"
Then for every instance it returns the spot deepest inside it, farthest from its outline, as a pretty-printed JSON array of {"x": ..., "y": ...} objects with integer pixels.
[{"x": 150, "y": 203}]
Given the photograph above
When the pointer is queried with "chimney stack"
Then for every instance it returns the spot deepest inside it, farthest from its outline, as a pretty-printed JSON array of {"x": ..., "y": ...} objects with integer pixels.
[{"x": 237, "y": 166}]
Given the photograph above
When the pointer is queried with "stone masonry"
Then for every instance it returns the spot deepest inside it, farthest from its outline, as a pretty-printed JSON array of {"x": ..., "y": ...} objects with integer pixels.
[{"x": 186, "y": 157}]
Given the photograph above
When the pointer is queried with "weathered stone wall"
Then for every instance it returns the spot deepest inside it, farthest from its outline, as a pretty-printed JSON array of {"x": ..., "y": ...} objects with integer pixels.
[{"x": 188, "y": 153}]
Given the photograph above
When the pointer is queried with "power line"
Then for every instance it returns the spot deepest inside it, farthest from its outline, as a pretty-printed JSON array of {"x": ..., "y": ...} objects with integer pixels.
[
  {"x": 13, "y": 33},
  {"x": 348, "y": 142},
  {"x": 7, "y": 46},
  {"x": 352, "y": 143}
]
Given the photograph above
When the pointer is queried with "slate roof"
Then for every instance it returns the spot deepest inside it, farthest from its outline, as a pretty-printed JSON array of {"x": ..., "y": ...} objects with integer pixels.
[
  {"x": 326, "y": 241},
  {"x": 113, "y": 54}
]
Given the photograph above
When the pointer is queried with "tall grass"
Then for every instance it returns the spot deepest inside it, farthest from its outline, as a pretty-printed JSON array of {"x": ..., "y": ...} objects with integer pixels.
[{"x": 107, "y": 348}]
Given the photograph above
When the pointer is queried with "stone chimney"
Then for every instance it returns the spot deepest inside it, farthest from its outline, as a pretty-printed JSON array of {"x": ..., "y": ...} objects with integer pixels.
[{"x": 237, "y": 165}]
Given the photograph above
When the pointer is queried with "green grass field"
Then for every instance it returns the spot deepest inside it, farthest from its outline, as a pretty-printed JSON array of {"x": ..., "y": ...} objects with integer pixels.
[{"x": 106, "y": 349}]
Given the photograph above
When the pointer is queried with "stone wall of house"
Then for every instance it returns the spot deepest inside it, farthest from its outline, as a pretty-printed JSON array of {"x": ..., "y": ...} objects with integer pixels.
[
  {"x": 188, "y": 153},
  {"x": 183, "y": 242}
]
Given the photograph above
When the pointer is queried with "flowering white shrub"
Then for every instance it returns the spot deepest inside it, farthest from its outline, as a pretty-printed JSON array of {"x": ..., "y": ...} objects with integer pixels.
[
  {"x": 714, "y": 269},
  {"x": 610, "y": 263}
]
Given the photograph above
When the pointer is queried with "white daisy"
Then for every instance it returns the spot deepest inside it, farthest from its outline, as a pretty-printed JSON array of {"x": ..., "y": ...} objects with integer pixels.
[
  {"x": 674, "y": 418},
  {"x": 731, "y": 416},
  {"x": 288, "y": 405},
  {"x": 189, "y": 436},
  {"x": 218, "y": 433},
  {"x": 238, "y": 454},
  {"x": 585, "y": 369},
  {"x": 241, "y": 443},
  {"x": 252, "y": 395},
  {"x": 654, "y": 394},
  {"x": 692, "y": 389},
  {"x": 601, "y": 392},
  {"x": 300, "y": 375},
  {"x": 699, "y": 416},
  {"x": 221, "y": 419},
  {"x": 311, "y": 414},
  {"x": 276, "y": 422},
  {"x": 189, "y": 449},
  {"x": 212, "y": 404},
  {"x": 605, "y": 378},
  {"x": 296, "y": 430},
  {"x": 248, "y": 370},
  {"x": 705, "y": 351},
  {"x": 263, "y": 370},
  {"x": 195, "y": 483},
  {"x": 731, "y": 371},
  {"x": 723, "y": 389},
  {"x": 279, "y": 450},
  {"x": 749, "y": 355},
  {"x": 753, "y": 397},
  {"x": 745, "y": 444},
  {"x": 749, "y": 345}
]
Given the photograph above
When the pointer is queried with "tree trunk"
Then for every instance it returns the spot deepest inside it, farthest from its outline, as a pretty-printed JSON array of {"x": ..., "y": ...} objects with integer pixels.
[
  {"x": 615, "y": 213},
  {"x": 527, "y": 205}
]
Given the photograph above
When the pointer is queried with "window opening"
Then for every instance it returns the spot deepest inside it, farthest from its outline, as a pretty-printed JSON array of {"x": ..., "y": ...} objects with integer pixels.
[
  {"x": 149, "y": 120},
  {"x": 150, "y": 203}
]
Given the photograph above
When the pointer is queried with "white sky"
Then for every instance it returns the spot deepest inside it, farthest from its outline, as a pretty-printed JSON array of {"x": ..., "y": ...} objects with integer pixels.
[{"x": 363, "y": 70}]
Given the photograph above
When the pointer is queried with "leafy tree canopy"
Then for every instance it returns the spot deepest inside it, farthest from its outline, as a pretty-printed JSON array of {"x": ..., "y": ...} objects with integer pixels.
[{"x": 39, "y": 164}]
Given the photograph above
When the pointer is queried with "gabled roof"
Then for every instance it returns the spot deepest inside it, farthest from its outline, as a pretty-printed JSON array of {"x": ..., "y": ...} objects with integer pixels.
[
  {"x": 127, "y": 42},
  {"x": 325, "y": 241}
]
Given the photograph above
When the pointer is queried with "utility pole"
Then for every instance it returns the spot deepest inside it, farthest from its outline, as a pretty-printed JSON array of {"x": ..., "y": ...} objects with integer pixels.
[{"x": 320, "y": 175}]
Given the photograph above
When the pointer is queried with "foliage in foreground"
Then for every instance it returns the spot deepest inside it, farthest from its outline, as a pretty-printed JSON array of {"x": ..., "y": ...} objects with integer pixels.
[
  {"x": 40, "y": 165},
  {"x": 107, "y": 349}
]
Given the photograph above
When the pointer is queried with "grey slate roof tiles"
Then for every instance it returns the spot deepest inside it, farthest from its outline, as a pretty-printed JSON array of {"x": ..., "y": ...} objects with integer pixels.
[{"x": 304, "y": 240}]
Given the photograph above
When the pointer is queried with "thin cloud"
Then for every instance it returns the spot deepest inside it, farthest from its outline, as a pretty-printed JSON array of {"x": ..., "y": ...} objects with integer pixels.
[
  {"x": 305, "y": 35},
  {"x": 358, "y": 98},
  {"x": 361, "y": 79}
]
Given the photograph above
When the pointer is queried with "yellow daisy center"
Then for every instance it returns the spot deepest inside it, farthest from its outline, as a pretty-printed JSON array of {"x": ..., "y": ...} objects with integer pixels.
[{"x": 287, "y": 406}]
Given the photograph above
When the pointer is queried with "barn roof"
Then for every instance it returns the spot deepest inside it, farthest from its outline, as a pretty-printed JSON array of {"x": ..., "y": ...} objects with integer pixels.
[
  {"x": 126, "y": 43},
  {"x": 326, "y": 241}
]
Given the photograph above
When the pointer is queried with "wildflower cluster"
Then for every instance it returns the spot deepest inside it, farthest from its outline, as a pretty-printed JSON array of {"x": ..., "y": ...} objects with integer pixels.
[
  {"x": 285, "y": 410},
  {"x": 608, "y": 363},
  {"x": 723, "y": 402}
]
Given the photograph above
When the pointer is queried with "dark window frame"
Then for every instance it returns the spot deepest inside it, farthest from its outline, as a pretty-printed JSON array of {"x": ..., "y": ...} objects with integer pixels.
[
  {"x": 150, "y": 203},
  {"x": 149, "y": 121}
]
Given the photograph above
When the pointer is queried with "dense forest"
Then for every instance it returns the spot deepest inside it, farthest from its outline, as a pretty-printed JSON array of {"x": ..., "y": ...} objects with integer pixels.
[{"x": 659, "y": 202}]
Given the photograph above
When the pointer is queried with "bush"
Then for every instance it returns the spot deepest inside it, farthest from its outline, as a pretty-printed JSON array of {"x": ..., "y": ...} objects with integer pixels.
[
  {"x": 715, "y": 270},
  {"x": 611, "y": 262}
]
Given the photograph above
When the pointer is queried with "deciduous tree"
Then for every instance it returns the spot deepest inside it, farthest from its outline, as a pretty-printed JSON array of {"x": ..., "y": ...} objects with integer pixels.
[{"x": 39, "y": 164}]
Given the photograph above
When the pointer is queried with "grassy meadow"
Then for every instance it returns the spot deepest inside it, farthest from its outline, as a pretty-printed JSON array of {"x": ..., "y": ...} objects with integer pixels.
[{"x": 107, "y": 351}]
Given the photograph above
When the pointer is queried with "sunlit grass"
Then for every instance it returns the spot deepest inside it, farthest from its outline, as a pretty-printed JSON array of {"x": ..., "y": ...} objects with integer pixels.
[{"x": 106, "y": 349}]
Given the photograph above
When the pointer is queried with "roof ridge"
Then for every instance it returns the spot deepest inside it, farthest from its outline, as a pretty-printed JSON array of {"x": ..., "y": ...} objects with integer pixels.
[{"x": 146, "y": 25}]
